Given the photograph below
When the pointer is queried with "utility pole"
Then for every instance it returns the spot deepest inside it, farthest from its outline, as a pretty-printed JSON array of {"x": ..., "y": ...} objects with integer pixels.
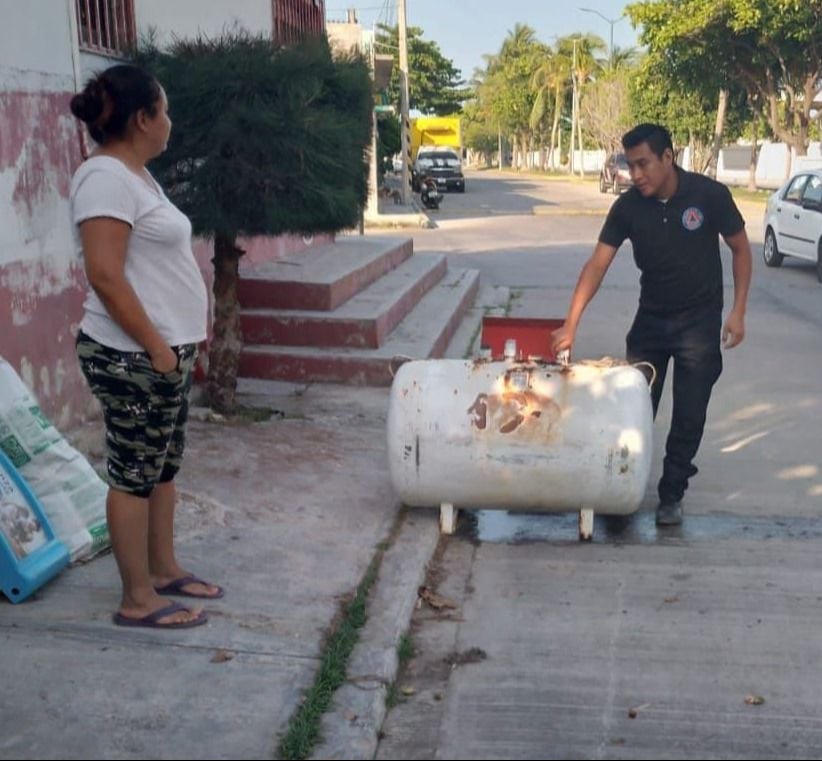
[
  {"x": 402, "y": 26},
  {"x": 373, "y": 203},
  {"x": 579, "y": 130},
  {"x": 610, "y": 21},
  {"x": 573, "y": 109}
]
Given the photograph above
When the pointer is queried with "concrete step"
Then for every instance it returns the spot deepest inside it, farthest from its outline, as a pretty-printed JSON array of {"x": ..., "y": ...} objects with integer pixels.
[
  {"x": 363, "y": 321},
  {"x": 321, "y": 278},
  {"x": 490, "y": 300},
  {"x": 424, "y": 333}
]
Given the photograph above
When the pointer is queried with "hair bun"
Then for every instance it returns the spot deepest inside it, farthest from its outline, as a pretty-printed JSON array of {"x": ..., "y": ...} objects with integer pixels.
[{"x": 88, "y": 105}]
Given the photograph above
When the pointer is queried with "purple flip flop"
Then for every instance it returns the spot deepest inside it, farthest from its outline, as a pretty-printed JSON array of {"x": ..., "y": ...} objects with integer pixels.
[
  {"x": 152, "y": 620},
  {"x": 176, "y": 588}
]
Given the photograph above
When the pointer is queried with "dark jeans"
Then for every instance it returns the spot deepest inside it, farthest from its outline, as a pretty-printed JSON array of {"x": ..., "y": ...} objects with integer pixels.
[{"x": 693, "y": 340}]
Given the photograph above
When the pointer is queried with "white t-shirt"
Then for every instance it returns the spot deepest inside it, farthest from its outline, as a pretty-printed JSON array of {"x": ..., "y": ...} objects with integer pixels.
[{"x": 160, "y": 264}]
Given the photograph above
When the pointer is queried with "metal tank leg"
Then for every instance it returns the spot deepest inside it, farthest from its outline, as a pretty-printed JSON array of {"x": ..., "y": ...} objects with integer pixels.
[
  {"x": 448, "y": 518},
  {"x": 586, "y": 524}
]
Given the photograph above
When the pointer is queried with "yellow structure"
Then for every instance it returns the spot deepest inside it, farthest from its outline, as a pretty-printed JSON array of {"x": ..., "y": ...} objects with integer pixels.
[{"x": 436, "y": 130}]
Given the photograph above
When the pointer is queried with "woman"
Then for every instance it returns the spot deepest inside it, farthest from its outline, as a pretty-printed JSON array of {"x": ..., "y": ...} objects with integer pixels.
[{"x": 145, "y": 313}]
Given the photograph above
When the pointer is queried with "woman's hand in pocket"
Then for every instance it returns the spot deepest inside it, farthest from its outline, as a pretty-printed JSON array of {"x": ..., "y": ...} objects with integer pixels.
[{"x": 165, "y": 360}]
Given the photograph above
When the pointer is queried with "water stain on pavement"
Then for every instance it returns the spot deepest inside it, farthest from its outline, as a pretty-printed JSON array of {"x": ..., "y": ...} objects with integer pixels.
[{"x": 501, "y": 526}]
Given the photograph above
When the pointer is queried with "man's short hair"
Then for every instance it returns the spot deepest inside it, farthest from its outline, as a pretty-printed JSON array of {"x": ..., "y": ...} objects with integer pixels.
[{"x": 655, "y": 135}]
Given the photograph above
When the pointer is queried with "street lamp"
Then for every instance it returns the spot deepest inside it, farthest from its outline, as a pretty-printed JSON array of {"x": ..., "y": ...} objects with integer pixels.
[{"x": 611, "y": 21}]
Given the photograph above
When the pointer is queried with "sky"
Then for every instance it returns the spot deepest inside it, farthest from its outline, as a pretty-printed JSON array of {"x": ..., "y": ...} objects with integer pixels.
[{"x": 466, "y": 29}]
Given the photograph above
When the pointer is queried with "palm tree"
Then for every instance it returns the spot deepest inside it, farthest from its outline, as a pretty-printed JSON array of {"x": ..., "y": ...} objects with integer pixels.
[
  {"x": 624, "y": 58},
  {"x": 506, "y": 82},
  {"x": 550, "y": 80},
  {"x": 518, "y": 40},
  {"x": 583, "y": 49}
]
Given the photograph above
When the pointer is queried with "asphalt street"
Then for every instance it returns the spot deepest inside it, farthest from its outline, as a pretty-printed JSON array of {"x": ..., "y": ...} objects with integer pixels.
[{"x": 695, "y": 642}]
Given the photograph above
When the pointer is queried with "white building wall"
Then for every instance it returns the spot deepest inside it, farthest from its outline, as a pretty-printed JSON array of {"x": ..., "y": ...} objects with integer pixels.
[
  {"x": 188, "y": 18},
  {"x": 34, "y": 41},
  {"x": 41, "y": 279},
  {"x": 92, "y": 64},
  {"x": 36, "y": 83}
]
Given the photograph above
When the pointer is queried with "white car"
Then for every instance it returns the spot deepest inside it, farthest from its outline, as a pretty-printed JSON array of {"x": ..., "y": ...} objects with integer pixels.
[{"x": 793, "y": 221}]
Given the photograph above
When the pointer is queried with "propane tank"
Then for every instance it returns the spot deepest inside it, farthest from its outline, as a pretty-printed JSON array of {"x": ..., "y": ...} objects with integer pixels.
[{"x": 520, "y": 435}]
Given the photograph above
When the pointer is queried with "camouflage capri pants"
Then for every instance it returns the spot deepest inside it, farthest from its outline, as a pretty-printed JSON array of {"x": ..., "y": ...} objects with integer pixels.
[{"x": 145, "y": 412}]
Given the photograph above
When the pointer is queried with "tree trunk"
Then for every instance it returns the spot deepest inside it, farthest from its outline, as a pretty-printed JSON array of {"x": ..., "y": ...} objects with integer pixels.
[
  {"x": 752, "y": 164},
  {"x": 719, "y": 129},
  {"x": 224, "y": 354},
  {"x": 579, "y": 133},
  {"x": 784, "y": 132},
  {"x": 499, "y": 149},
  {"x": 559, "y": 149},
  {"x": 573, "y": 134},
  {"x": 691, "y": 151},
  {"x": 555, "y": 133}
]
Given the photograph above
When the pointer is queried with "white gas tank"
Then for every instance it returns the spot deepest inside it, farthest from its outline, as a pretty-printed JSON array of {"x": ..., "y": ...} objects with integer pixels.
[{"x": 520, "y": 435}]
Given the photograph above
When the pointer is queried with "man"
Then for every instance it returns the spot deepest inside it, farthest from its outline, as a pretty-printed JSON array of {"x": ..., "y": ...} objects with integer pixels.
[{"x": 673, "y": 219}]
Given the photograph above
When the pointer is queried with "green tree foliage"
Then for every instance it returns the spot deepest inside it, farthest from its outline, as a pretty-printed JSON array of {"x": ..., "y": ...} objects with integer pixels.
[
  {"x": 550, "y": 82},
  {"x": 770, "y": 48},
  {"x": 505, "y": 90},
  {"x": 508, "y": 79},
  {"x": 623, "y": 59},
  {"x": 688, "y": 113},
  {"x": 265, "y": 141},
  {"x": 477, "y": 133},
  {"x": 435, "y": 85}
]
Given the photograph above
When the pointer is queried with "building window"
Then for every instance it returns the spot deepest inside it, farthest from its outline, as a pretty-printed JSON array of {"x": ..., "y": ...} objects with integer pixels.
[
  {"x": 106, "y": 26},
  {"x": 296, "y": 19}
]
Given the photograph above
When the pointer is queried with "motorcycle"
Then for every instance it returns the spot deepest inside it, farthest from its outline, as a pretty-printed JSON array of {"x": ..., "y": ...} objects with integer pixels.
[{"x": 430, "y": 194}]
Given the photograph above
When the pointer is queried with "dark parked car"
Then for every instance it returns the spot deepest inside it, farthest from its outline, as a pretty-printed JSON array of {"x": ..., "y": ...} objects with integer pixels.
[
  {"x": 443, "y": 165},
  {"x": 614, "y": 175}
]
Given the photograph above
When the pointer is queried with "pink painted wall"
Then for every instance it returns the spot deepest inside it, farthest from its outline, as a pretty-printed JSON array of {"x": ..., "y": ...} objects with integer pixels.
[
  {"x": 257, "y": 251},
  {"x": 41, "y": 281}
]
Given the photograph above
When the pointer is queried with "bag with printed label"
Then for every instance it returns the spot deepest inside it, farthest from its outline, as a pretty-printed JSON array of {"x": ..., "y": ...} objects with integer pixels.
[{"x": 73, "y": 496}]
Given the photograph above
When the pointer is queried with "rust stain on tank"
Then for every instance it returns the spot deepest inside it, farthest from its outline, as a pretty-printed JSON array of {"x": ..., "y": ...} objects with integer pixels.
[
  {"x": 512, "y": 424},
  {"x": 529, "y": 414},
  {"x": 479, "y": 409}
]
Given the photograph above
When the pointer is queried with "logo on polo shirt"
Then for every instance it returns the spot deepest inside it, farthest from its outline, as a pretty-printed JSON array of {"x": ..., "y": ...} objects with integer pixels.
[{"x": 692, "y": 218}]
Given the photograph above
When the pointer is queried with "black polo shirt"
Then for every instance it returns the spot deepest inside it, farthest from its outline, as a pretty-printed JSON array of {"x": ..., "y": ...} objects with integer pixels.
[{"x": 676, "y": 243}]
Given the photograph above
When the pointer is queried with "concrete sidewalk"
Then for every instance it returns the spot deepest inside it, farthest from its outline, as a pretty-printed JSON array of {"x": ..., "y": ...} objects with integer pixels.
[{"x": 287, "y": 515}]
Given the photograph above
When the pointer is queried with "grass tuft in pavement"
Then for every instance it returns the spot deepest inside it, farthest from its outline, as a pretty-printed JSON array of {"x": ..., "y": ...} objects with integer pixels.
[{"x": 303, "y": 730}]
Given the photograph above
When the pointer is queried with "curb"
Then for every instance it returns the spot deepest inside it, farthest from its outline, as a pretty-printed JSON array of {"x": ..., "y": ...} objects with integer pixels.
[
  {"x": 551, "y": 211},
  {"x": 350, "y": 729},
  {"x": 417, "y": 218}
]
